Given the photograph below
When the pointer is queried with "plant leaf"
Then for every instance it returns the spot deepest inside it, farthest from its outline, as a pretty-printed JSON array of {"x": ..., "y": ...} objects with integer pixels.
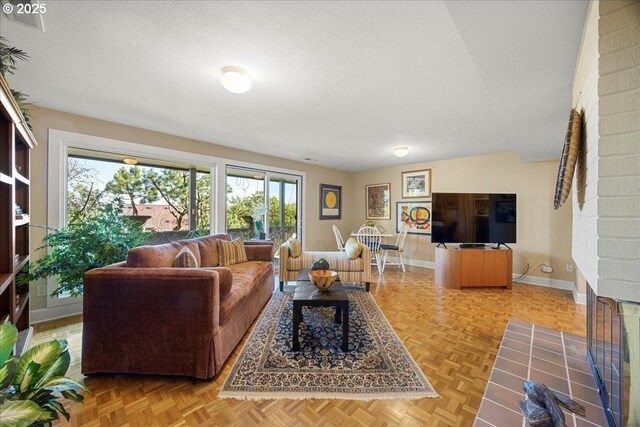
[
  {"x": 45, "y": 355},
  {"x": 29, "y": 378},
  {"x": 8, "y": 338},
  {"x": 7, "y": 372},
  {"x": 21, "y": 413},
  {"x": 73, "y": 395},
  {"x": 60, "y": 384},
  {"x": 59, "y": 407},
  {"x": 57, "y": 369}
]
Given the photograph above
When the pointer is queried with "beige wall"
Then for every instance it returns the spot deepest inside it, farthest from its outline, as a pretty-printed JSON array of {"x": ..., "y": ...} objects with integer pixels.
[
  {"x": 543, "y": 235},
  {"x": 319, "y": 234}
]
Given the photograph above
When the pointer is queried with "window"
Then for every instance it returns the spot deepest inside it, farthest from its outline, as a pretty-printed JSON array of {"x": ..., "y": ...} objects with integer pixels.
[
  {"x": 246, "y": 209},
  {"x": 171, "y": 200}
]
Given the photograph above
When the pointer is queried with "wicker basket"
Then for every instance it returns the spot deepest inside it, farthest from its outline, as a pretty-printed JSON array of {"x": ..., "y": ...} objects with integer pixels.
[{"x": 568, "y": 160}]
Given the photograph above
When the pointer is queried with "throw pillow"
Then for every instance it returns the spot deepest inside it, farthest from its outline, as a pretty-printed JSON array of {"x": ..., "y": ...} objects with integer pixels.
[
  {"x": 353, "y": 248},
  {"x": 295, "y": 248},
  {"x": 231, "y": 252},
  {"x": 185, "y": 259}
]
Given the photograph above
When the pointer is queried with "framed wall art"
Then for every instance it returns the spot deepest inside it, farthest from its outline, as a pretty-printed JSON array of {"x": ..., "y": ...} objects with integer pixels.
[
  {"x": 330, "y": 201},
  {"x": 416, "y": 184},
  {"x": 378, "y": 199},
  {"x": 417, "y": 216}
]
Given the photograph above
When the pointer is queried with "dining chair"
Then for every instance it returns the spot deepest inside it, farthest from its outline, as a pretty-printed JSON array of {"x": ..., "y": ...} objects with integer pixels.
[
  {"x": 339, "y": 240},
  {"x": 396, "y": 250},
  {"x": 370, "y": 236}
]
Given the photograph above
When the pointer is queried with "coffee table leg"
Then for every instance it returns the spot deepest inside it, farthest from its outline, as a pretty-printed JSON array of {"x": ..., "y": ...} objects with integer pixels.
[
  {"x": 338, "y": 316},
  {"x": 345, "y": 328},
  {"x": 296, "y": 326}
]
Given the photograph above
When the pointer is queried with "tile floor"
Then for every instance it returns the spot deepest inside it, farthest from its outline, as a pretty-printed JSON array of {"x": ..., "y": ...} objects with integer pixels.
[{"x": 557, "y": 359}]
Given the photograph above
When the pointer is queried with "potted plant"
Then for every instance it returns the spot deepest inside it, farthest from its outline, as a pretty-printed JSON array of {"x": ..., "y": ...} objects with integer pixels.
[
  {"x": 32, "y": 385},
  {"x": 101, "y": 239}
]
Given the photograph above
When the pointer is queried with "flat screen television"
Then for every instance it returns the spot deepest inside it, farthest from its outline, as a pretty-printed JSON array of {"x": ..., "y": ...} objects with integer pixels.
[{"x": 473, "y": 218}]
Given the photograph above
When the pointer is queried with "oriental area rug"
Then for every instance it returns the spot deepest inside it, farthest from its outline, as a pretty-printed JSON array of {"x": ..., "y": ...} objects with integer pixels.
[{"x": 377, "y": 365}]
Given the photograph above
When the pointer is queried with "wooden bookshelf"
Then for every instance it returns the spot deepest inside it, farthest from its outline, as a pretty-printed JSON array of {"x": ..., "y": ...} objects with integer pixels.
[{"x": 16, "y": 143}]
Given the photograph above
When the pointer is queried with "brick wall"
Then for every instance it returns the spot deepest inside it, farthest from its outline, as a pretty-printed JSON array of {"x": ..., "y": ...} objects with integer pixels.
[
  {"x": 619, "y": 150},
  {"x": 584, "y": 246},
  {"x": 606, "y": 195}
]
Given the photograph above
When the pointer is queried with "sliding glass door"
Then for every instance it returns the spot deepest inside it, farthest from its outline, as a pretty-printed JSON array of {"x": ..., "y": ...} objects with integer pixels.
[
  {"x": 283, "y": 208},
  {"x": 263, "y": 205}
]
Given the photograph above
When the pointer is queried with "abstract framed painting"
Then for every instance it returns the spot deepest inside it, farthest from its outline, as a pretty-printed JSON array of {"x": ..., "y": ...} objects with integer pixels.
[
  {"x": 330, "y": 201},
  {"x": 378, "y": 199},
  {"x": 417, "y": 216},
  {"x": 416, "y": 184}
]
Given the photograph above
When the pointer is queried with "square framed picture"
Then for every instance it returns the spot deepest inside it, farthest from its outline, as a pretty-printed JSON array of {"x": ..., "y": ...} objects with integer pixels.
[
  {"x": 416, "y": 184},
  {"x": 378, "y": 197},
  {"x": 417, "y": 216},
  {"x": 330, "y": 201}
]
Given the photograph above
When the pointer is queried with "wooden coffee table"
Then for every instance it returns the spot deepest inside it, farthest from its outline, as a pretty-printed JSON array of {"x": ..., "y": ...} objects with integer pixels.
[{"x": 306, "y": 294}]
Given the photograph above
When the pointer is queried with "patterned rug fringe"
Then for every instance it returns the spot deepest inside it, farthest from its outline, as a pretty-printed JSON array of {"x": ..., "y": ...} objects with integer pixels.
[{"x": 319, "y": 395}]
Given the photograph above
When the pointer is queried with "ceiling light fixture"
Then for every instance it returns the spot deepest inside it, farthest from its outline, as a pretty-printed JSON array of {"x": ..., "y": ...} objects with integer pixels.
[
  {"x": 401, "y": 151},
  {"x": 129, "y": 161},
  {"x": 235, "y": 79}
]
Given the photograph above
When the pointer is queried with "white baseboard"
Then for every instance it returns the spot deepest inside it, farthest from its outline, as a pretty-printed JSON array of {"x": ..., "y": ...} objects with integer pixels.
[
  {"x": 549, "y": 283},
  {"x": 418, "y": 263},
  {"x": 46, "y": 314},
  {"x": 578, "y": 297},
  {"x": 530, "y": 280}
]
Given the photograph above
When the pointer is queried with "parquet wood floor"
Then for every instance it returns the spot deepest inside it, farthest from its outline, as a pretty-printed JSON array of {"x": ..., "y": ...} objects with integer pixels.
[{"x": 453, "y": 335}]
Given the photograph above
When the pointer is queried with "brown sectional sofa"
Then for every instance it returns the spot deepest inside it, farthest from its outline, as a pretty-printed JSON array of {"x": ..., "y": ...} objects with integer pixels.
[{"x": 143, "y": 316}]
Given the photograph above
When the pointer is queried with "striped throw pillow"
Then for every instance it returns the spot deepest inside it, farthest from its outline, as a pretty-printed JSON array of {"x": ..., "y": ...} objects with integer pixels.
[
  {"x": 185, "y": 259},
  {"x": 231, "y": 252}
]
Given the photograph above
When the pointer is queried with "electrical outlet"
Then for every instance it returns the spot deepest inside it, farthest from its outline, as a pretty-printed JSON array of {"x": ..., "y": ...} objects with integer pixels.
[
  {"x": 41, "y": 291},
  {"x": 546, "y": 268},
  {"x": 569, "y": 267}
]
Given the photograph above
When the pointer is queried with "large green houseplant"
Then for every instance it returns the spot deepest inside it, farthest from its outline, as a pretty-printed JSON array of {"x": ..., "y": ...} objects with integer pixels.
[
  {"x": 101, "y": 239},
  {"x": 31, "y": 385}
]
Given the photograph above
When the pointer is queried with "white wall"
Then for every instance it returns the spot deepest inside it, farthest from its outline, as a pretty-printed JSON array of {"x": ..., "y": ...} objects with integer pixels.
[
  {"x": 585, "y": 200},
  {"x": 606, "y": 195}
]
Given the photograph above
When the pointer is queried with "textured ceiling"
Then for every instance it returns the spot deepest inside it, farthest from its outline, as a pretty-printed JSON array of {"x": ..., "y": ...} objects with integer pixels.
[{"x": 340, "y": 82}]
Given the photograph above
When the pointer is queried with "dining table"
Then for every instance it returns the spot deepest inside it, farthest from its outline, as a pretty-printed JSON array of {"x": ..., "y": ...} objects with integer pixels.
[{"x": 354, "y": 234}]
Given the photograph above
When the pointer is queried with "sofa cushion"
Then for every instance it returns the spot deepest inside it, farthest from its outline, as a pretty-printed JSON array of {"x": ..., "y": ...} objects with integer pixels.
[
  {"x": 353, "y": 248},
  {"x": 208, "y": 246},
  {"x": 185, "y": 259},
  {"x": 338, "y": 261},
  {"x": 160, "y": 256},
  {"x": 246, "y": 276},
  {"x": 225, "y": 279},
  {"x": 231, "y": 253}
]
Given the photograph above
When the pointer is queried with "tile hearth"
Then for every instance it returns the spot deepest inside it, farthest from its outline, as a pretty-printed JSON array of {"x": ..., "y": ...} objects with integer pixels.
[{"x": 557, "y": 359}]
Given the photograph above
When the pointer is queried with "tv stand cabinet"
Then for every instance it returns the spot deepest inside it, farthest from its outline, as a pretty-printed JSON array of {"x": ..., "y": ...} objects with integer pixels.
[{"x": 478, "y": 267}]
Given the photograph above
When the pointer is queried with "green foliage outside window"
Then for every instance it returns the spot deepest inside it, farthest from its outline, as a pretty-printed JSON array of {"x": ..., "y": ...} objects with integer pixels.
[
  {"x": 102, "y": 238},
  {"x": 240, "y": 207}
]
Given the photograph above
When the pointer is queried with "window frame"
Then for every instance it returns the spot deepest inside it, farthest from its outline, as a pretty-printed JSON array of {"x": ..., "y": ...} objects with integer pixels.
[{"x": 59, "y": 143}]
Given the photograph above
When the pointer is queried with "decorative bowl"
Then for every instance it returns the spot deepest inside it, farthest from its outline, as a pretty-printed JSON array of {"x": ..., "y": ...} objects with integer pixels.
[{"x": 323, "y": 279}]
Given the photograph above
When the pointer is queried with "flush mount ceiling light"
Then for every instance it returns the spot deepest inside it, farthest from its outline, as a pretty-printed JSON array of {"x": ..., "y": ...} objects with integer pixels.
[
  {"x": 235, "y": 79},
  {"x": 401, "y": 151},
  {"x": 129, "y": 161}
]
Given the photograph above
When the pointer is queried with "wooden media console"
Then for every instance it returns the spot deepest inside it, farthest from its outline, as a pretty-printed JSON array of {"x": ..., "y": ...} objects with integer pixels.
[{"x": 474, "y": 267}]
